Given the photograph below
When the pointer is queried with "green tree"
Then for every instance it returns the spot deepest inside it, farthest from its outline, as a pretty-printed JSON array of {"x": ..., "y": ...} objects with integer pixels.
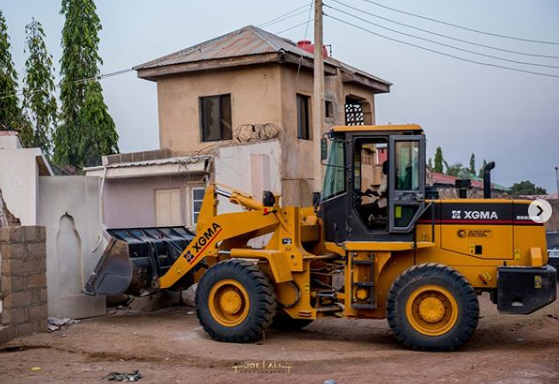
[
  {"x": 430, "y": 164},
  {"x": 11, "y": 117},
  {"x": 38, "y": 98},
  {"x": 480, "y": 174},
  {"x": 526, "y": 187},
  {"x": 455, "y": 169},
  {"x": 86, "y": 130},
  {"x": 472, "y": 169},
  {"x": 439, "y": 160}
]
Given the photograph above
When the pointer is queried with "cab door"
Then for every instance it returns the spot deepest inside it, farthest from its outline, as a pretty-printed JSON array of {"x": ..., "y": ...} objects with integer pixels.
[{"x": 406, "y": 182}]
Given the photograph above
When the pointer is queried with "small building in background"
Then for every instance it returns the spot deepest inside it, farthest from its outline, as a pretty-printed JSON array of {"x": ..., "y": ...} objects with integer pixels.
[{"x": 151, "y": 188}]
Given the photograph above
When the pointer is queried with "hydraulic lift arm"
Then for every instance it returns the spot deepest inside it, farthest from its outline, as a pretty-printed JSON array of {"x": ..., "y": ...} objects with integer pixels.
[{"x": 213, "y": 229}]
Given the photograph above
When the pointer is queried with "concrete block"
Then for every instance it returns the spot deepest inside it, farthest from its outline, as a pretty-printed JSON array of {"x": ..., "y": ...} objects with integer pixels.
[
  {"x": 43, "y": 325},
  {"x": 17, "y": 300},
  {"x": 37, "y": 280},
  {"x": 26, "y": 329},
  {"x": 30, "y": 233},
  {"x": 14, "y": 283},
  {"x": 13, "y": 251},
  {"x": 37, "y": 250},
  {"x": 7, "y": 333},
  {"x": 14, "y": 316},
  {"x": 41, "y": 233},
  {"x": 4, "y": 235},
  {"x": 38, "y": 312},
  {"x": 16, "y": 234},
  {"x": 13, "y": 267},
  {"x": 38, "y": 265}
]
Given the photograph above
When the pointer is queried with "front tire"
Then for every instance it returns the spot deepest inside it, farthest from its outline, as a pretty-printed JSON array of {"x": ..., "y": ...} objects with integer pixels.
[
  {"x": 432, "y": 307},
  {"x": 235, "y": 302}
]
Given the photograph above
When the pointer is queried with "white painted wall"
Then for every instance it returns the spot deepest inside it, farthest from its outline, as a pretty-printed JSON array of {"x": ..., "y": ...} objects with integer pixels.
[
  {"x": 249, "y": 168},
  {"x": 70, "y": 211},
  {"x": 19, "y": 181}
]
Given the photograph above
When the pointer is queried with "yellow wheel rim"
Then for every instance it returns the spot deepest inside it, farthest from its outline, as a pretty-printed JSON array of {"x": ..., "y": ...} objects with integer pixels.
[
  {"x": 228, "y": 302},
  {"x": 432, "y": 310}
]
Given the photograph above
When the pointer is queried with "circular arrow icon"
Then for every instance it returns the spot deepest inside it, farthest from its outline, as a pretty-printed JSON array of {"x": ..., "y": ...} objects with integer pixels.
[{"x": 539, "y": 211}]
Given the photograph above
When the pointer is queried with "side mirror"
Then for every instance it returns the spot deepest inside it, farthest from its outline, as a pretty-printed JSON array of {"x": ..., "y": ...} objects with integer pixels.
[
  {"x": 323, "y": 149},
  {"x": 315, "y": 200}
]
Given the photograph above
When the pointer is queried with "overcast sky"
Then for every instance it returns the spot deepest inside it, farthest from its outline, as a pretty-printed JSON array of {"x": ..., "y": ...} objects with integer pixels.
[{"x": 509, "y": 117}]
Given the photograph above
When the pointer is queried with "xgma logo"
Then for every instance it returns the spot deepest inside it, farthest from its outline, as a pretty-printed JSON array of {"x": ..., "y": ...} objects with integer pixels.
[{"x": 475, "y": 215}]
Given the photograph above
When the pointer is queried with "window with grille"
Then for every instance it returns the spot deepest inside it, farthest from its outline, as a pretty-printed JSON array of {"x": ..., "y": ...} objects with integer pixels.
[{"x": 354, "y": 112}]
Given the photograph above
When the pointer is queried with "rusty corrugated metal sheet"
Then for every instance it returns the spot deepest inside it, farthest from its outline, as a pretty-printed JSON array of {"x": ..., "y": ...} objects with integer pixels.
[{"x": 246, "y": 41}]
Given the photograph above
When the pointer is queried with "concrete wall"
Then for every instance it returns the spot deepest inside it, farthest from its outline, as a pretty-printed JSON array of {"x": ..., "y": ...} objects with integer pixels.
[
  {"x": 23, "y": 290},
  {"x": 70, "y": 211},
  {"x": 259, "y": 94},
  {"x": 298, "y": 155},
  {"x": 250, "y": 168},
  {"x": 19, "y": 181},
  {"x": 254, "y": 100},
  {"x": 131, "y": 202}
]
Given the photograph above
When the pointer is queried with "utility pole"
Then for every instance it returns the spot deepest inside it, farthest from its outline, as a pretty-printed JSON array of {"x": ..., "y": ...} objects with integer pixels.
[
  {"x": 318, "y": 95},
  {"x": 557, "y": 179}
]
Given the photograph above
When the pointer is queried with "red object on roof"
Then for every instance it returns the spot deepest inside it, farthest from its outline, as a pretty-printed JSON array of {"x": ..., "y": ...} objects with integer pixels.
[{"x": 308, "y": 46}]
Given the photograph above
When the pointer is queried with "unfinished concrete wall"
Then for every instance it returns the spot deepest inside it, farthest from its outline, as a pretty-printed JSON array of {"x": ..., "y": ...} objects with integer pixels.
[
  {"x": 70, "y": 211},
  {"x": 254, "y": 100},
  {"x": 23, "y": 282},
  {"x": 259, "y": 94}
]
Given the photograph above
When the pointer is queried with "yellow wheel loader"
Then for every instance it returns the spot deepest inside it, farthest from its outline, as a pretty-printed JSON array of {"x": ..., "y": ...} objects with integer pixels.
[{"x": 375, "y": 244}]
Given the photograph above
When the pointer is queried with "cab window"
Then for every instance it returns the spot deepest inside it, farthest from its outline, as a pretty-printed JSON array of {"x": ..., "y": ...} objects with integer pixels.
[
  {"x": 407, "y": 165},
  {"x": 334, "y": 179}
]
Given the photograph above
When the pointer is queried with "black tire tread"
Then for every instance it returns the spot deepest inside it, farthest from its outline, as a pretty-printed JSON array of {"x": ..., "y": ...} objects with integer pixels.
[
  {"x": 265, "y": 308},
  {"x": 408, "y": 336}
]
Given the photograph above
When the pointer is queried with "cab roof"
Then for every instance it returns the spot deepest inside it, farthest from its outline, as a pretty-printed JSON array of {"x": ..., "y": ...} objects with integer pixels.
[{"x": 378, "y": 128}]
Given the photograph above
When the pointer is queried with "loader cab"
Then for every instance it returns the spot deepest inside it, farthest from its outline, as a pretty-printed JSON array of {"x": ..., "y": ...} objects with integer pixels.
[{"x": 374, "y": 184}]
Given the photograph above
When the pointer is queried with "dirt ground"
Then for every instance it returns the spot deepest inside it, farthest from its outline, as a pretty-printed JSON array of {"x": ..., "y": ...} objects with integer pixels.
[{"x": 169, "y": 346}]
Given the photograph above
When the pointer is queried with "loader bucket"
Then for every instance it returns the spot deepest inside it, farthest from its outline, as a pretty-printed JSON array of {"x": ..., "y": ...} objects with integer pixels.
[{"x": 135, "y": 258}]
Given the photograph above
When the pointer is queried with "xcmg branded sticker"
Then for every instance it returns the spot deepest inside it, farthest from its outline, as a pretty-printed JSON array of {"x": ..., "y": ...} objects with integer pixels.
[{"x": 202, "y": 242}]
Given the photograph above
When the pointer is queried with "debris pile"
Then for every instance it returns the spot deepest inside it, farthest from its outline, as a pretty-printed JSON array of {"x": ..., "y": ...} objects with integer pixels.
[
  {"x": 56, "y": 324},
  {"x": 123, "y": 376}
]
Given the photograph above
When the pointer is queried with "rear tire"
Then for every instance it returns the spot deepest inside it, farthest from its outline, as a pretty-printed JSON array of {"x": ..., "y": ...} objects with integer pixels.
[
  {"x": 432, "y": 307},
  {"x": 235, "y": 302}
]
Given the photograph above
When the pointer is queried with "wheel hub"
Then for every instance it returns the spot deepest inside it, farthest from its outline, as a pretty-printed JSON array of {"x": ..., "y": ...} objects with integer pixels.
[
  {"x": 431, "y": 309},
  {"x": 231, "y": 302}
]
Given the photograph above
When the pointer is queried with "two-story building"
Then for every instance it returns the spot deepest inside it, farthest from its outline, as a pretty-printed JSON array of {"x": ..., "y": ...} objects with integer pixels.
[{"x": 245, "y": 98}]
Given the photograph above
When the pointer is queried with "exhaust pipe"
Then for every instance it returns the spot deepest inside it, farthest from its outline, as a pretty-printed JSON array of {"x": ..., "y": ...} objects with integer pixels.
[{"x": 487, "y": 179}]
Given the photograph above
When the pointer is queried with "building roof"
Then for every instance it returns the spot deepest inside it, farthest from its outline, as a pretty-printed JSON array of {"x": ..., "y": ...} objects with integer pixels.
[
  {"x": 151, "y": 168},
  {"x": 254, "y": 46}
]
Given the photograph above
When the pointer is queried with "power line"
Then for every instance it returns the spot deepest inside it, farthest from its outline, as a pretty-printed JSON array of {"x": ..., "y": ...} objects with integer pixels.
[
  {"x": 461, "y": 26},
  {"x": 442, "y": 53},
  {"x": 268, "y": 23},
  {"x": 443, "y": 44},
  {"x": 293, "y": 27},
  {"x": 21, "y": 92},
  {"x": 445, "y": 36},
  {"x": 285, "y": 18}
]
